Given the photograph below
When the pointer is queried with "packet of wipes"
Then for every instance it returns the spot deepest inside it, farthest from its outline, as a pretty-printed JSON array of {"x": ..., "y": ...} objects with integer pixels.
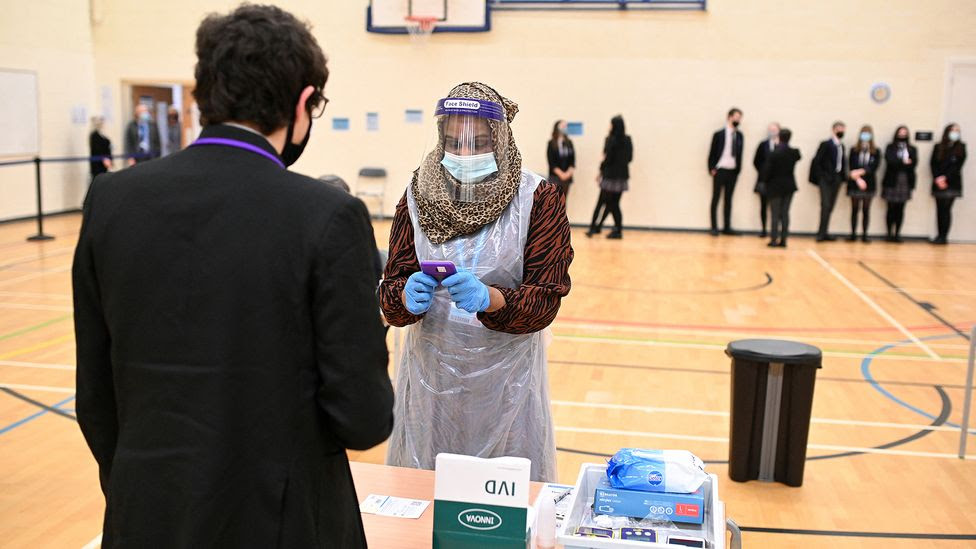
[{"x": 676, "y": 471}]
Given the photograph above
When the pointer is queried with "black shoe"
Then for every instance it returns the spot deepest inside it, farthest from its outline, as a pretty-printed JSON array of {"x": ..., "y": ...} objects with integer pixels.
[
  {"x": 772, "y": 244},
  {"x": 730, "y": 232},
  {"x": 762, "y": 234},
  {"x": 821, "y": 238},
  {"x": 889, "y": 238},
  {"x": 851, "y": 238},
  {"x": 591, "y": 232},
  {"x": 714, "y": 232},
  {"x": 897, "y": 240},
  {"x": 616, "y": 235},
  {"x": 829, "y": 238},
  {"x": 781, "y": 244},
  {"x": 939, "y": 241},
  {"x": 865, "y": 239}
]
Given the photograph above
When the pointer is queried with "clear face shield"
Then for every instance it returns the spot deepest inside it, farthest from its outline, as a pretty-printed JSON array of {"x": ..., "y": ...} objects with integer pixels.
[{"x": 468, "y": 147}]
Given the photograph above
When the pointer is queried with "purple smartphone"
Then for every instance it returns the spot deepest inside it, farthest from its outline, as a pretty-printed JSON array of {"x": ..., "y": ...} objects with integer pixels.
[{"x": 438, "y": 269}]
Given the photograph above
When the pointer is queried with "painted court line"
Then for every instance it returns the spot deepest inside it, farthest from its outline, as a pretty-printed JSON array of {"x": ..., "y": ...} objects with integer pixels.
[
  {"x": 615, "y": 327},
  {"x": 714, "y": 347},
  {"x": 36, "y": 365},
  {"x": 39, "y": 257},
  {"x": 932, "y": 291},
  {"x": 725, "y": 440},
  {"x": 34, "y": 416},
  {"x": 37, "y": 347},
  {"x": 870, "y": 302},
  {"x": 35, "y": 295},
  {"x": 93, "y": 544},
  {"x": 716, "y": 413},
  {"x": 34, "y": 275},
  {"x": 43, "y": 388},
  {"x": 36, "y": 307}
]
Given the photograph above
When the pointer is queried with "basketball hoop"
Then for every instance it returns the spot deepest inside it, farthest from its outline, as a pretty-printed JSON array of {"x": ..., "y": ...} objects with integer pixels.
[{"x": 420, "y": 27}]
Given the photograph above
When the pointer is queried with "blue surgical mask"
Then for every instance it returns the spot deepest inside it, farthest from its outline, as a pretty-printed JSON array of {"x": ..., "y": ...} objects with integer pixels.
[
  {"x": 470, "y": 169},
  {"x": 954, "y": 136},
  {"x": 865, "y": 136},
  {"x": 144, "y": 117}
]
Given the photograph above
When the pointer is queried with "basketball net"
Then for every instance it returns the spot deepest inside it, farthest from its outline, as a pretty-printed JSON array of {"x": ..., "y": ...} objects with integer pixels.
[{"x": 420, "y": 28}]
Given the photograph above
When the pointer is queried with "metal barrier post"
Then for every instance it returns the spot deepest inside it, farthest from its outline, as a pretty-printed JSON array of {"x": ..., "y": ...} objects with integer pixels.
[
  {"x": 40, "y": 208},
  {"x": 968, "y": 397}
]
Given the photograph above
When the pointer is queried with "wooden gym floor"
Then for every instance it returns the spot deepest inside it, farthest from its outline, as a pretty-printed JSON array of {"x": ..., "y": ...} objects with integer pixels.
[{"x": 637, "y": 360}]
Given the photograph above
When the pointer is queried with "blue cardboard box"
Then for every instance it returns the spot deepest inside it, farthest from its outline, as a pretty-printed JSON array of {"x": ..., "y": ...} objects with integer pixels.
[{"x": 688, "y": 508}]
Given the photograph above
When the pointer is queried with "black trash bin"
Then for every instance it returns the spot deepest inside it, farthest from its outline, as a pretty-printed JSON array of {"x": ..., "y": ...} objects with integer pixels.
[{"x": 772, "y": 398}]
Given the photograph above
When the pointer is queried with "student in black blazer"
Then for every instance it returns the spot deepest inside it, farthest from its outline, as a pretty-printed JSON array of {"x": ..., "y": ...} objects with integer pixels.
[
  {"x": 618, "y": 151},
  {"x": 724, "y": 165},
  {"x": 561, "y": 156},
  {"x": 758, "y": 161},
  {"x": 141, "y": 137},
  {"x": 947, "y": 159},
  {"x": 99, "y": 146},
  {"x": 901, "y": 158},
  {"x": 861, "y": 181},
  {"x": 777, "y": 174},
  {"x": 229, "y": 346},
  {"x": 827, "y": 171}
]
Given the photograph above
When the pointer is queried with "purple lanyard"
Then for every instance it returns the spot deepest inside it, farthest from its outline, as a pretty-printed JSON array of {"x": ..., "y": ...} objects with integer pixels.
[{"x": 237, "y": 144}]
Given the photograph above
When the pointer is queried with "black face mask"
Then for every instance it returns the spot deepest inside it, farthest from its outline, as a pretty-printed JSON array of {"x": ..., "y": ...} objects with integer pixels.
[
  {"x": 901, "y": 139},
  {"x": 840, "y": 135},
  {"x": 735, "y": 123},
  {"x": 291, "y": 151}
]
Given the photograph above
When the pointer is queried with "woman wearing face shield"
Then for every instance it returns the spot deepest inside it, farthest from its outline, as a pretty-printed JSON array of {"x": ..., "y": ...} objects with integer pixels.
[{"x": 472, "y": 377}]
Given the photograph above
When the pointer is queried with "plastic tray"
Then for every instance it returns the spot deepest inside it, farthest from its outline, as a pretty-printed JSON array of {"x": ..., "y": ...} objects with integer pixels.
[{"x": 712, "y": 530}]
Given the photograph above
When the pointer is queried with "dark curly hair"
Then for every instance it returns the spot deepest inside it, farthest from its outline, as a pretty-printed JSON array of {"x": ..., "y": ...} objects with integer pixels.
[{"x": 252, "y": 65}]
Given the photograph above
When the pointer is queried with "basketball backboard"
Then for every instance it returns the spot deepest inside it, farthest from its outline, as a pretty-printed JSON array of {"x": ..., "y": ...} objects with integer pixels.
[{"x": 390, "y": 16}]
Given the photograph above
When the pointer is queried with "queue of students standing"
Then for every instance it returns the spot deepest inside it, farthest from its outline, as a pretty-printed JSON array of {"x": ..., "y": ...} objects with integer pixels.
[{"x": 834, "y": 168}]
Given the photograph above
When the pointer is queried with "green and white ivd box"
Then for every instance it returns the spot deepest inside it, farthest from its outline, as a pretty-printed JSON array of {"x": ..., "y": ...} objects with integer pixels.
[{"x": 481, "y": 503}]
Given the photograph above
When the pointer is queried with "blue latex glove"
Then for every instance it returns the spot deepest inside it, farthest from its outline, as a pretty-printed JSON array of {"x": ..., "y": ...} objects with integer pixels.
[
  {"x": 469, "y": 293},
  {"x": 419, "y": 291}
]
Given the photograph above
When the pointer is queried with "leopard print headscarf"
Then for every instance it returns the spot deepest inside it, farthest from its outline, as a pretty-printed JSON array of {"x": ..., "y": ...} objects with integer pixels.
[{"x": 443, "y": 218}]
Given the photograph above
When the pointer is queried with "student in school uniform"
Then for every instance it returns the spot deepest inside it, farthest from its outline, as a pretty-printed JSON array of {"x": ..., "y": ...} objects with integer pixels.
[
  {"x": 901, "y": 158},
  {"x": 862, "y": 182},
  {"x": 828, "y": 171}
]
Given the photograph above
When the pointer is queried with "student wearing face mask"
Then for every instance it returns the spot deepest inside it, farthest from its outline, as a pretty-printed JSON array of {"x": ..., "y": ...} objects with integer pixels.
[
  {"x": 724, "y": 165},
  {"x": 228, "y": 346},
  {"x": 861, "y": 181},
  {"x": 561, "y": 156},
  {"x": 141, "y": 137},
  {"x": 901, "y": 157},
  {"x": 828, "y": 170},
  {"x": 759, "y": 161},
  {"x": 472, "y": 378},
  {"x": 947, "y": 159}
]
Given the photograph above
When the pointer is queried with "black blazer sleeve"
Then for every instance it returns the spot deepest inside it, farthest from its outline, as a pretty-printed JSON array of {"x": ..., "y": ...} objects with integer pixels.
[
  {"x": 715, "y": 151},
  {"x": 740, "y": 143},
  {"x": 762, "y": 151},
  {"x": 94, "y": 394},
  {"x": 934, "y": 164},
  {"x": 816, "y": 171},
  {"x": 131, "y": 140},
  {"x": 572, "y": 154},
  {"x": 356, "y": 394},
  {"x": 628, "y": 152},
  {"x": 155, "y": 149},
  {"x": 552, "y": 155}
]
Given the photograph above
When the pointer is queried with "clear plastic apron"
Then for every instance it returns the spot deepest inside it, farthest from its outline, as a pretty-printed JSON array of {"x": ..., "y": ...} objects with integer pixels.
[{"x": 465, "y": 389}]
